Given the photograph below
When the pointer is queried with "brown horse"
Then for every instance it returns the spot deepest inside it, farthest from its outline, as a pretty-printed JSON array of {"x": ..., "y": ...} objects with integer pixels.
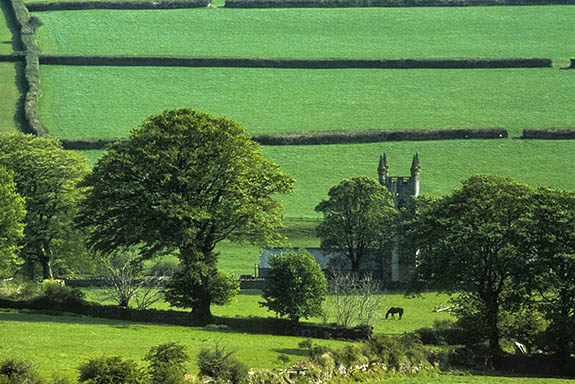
[{"x": 392, "y": 311}]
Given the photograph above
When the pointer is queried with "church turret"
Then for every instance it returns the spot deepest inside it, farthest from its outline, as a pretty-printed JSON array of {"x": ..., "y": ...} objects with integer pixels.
[
  {"x": 383, "y": 169},
  {"x": 415, "y": 169}
]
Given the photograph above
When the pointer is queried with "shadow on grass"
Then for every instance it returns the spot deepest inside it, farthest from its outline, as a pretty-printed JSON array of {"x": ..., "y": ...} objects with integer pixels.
[
  {"x": 10, "y": 19},
  {"x": 24, "y": 316},
  {"x": 292, "y": 351}
]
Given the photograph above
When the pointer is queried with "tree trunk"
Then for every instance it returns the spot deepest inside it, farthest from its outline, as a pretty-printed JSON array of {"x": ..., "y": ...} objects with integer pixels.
[
  {"x": 202, "y": 311},
  {"x": 492, "y": 308},
  {"x": 46, "y": 270}
]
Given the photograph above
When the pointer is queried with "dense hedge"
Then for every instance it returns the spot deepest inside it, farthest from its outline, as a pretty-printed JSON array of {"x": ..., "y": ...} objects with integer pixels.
[
  {"x": 254, "y": 325},
  {"x": 13, "y": 58},
  {"x": 347, "y": 137},
  {"x": 32, "y": 68},
  {"x": 383, "y": 3},
  {"x": 294, "y": 63},
  {"x": 549, "y": 133},
  {"x": 335, "y": 137},
  {"x": 79, "y": 5}
]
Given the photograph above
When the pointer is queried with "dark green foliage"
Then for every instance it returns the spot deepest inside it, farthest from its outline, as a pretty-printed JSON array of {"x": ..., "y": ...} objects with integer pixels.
[
  {"x": 335, "y": 137},
  {"x": 358, "y": 218},
  {"x": 79, "y": 5},
  {"x": 166, "y": 363},
  {"x": 12, "y": 215},
  {"x": 46, "y": 176},
  {"x": 404, "y": 354},
  {"x": 14, "y": 371},
  {"x": 549, "y": 133},
  {"x": 443, "y": 332},
  {"x": 182, "y": 183},
  {"x": 296, "y": 286},
  {"x": 383, "y": 3},
  {"x": 60, "y": 295},
  {"x": 111, "y": 370},
  {"x": 32, "y": 68},
  {"x": 473, "y": 240},
  {"x": 187, "y": 285},
  {"x": 174, "y": 61},
  {"x": 220, "y": 365}
]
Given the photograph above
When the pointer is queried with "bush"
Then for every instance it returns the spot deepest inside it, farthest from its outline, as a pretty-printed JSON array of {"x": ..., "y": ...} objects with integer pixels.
[
  {"x": 166, "y": 363},
  {"x": 404, "y": 354},
  {"x": 15, "y": 290},
  {"x": 59, "y": 296},
  {"x": 111, "y": 370},
  {"x": 442, "y": 332},
  {"x": 220, "y": 365},
  {"x": 14, "y": 371},
  {"x": 307, "y": 285}
]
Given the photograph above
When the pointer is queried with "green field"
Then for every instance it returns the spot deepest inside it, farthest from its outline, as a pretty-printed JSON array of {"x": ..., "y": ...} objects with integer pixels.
[
  {"x": 538, "y": 31},
  {"x": 418, "y": 310},
  {"x": 444, "y": 164},
  {"x": 10, "y": 96},
  {"x": 61, "y": 343},
  {"x": 82, "y": 102}
]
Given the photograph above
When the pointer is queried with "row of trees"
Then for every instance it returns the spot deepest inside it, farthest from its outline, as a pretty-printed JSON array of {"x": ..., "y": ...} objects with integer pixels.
[{"x": 181, "y": 183}]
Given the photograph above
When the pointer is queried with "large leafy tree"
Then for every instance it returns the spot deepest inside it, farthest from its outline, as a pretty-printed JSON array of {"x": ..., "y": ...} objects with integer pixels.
[
  {"x": 471, "y": 241},
  {"x": 46, "y": 176},
  {"x": 552, "y": 243},
  {"x": 12, "y": 215},
  {"x": 296, "y": 287},
  {"x": 358, "y": 218},
  {"x": 183, "y": 182}
]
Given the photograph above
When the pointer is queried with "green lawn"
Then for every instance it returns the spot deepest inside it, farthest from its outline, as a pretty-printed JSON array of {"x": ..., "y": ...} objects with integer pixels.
[
  {"x": 537, "y": 31},
  {"x": 444, "y": 164},
  {"x": 61, "y": 343},
  {"x": 7, "y": 27},
  {"x": 10, "y": 97},
  {"x": 80, "y": 102}
]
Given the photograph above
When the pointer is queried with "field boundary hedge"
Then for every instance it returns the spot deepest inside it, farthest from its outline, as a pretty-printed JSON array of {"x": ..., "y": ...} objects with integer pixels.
[
  {"x": 169, "y": 61},
  {"x": 83, "y": 5},
  {"x": 334, "y": 137},
  {"x": 386, "y": 3},
  {"x": 267, "y": 325},
  {"x": 32, "y": 68},
  {"x": 549, "y": 133},
  {"x": 13, "y": 58}
]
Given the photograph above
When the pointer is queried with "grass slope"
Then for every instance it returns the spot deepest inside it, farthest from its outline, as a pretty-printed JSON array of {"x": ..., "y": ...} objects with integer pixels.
[
  {"x": 538, "y": 31},
  {"x": 10, "y": 97},
  {"x": 61, "y": 343},
  {"x": 444, "y": 164},
  {"x": 109, "y": 101}
]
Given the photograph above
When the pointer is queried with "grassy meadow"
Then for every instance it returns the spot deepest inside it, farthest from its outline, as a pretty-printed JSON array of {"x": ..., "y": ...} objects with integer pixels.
[
  {"x": 10, "y": 97},
  {"x": 85, "y": 102},
  {"x": 494, "y": 32},
  {"x": 444, "y": 165},
  {"x": 59, "y": 344}
]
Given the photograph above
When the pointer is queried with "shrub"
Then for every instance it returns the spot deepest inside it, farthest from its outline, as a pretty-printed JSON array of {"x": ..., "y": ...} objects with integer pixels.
[
  {"x": 296, "y": 286},
  {"x": 59, "y": 295},
  {"x": 442, "y": 332},
  {"x": 14, "y": 371},
  {"x": 111, "y": 370},
  {"x": 220, "y": 365},
  {"x": 15, "y": 290},
  {"x": 166, "y": 363},
  {"x": 404, "y": 354}
]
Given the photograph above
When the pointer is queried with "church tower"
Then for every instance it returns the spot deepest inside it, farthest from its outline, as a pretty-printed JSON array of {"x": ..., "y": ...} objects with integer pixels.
[{"x": 402, "y": 189}]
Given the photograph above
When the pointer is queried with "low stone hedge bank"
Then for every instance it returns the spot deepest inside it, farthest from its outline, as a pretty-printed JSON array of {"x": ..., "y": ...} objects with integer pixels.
[
  {"x": 82, "y": 5},
  {"x": 251, "y": 325},
  {"x": 167, "y": 61},
  {"x": 549, "y": 134},
  {"x": 386, "y": 3}
]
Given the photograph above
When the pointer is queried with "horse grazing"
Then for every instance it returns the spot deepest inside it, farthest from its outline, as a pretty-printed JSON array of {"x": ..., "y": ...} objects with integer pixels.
[{"x": 392, "y": 311}]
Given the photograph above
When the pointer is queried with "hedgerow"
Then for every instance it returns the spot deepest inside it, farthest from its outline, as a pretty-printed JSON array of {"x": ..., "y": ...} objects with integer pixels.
[{"x": 384, "y": 3}]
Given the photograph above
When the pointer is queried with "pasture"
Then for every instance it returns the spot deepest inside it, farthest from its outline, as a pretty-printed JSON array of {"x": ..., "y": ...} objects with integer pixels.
[
  {"x": 106, "y": 102},
  {"x": 492, "y": 32},
  {"x": 444, "y": 164},
  {"x": 59, "y": 344},
  {"x": 10, "y": 91}
]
